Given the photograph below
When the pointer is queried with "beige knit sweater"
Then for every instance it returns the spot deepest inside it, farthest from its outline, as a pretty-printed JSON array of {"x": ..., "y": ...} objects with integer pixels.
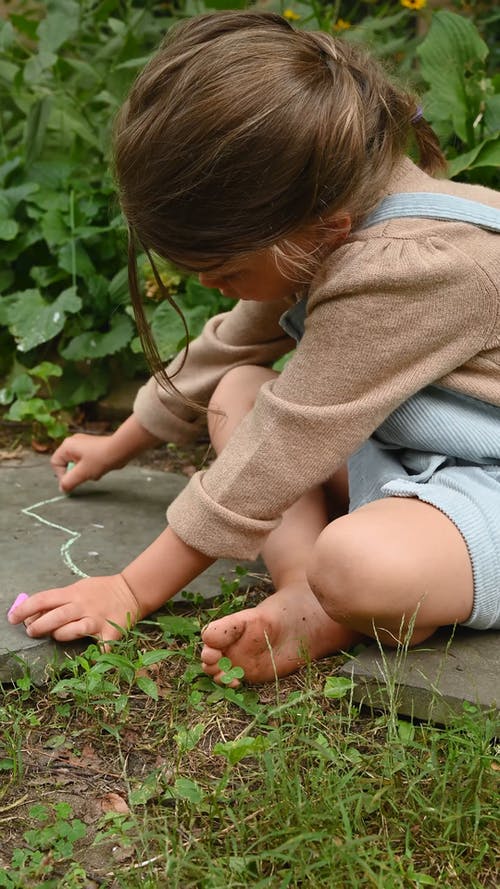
[{"x": 402, "y": 304}]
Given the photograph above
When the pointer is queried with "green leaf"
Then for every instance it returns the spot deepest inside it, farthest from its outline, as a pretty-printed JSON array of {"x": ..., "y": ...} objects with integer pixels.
[
  {"x": 133, "y": 63},
  {"x": 167, "y": 329},
  {"x": 154, "y": 656},
  {"x": 7, "y": 35},
  {"x": 188, "y": 738},
  {"x": 36, "y": 127},
  {"x": 406, "y": 730},
  {"x": 7, "y": 167},
  {"x": 147, "y": 686},
  {"x": 39, "y": 812},
  {"x": 30, "y": 409},
  {"x": 337, "y": 687},
  {"x": 68, "y": 121},
  {"x": 23, "y": 387},
  {"x": 45, "y": 370},
  {"x": 94, "y": 344},
  {"x": 63, "y": 810},
  {"x": 487, "y": 154},
  {"x": 37, "y": 67},
  {"x": 228, "y": 671},
  {"x": 236, "y": 750},
  {"x": 7, "y": 71},
  {"x": 149, "y": 789},
  {"x": 6, "y": 279},
  {"x": 54, "y": 229},
  {"x": 8, "y": 229},
  {"x": 58, "y": 26},
  {"x": 185, "y": 788},
  {"x": 421, "y": 879},
  {"x": 13, "y": 196},
  {"x": 55, "y": 741},
  {"x": 33, "y": 321},
  {"x": 76, "y": 388},
  {"x": 73, "y": 258},
  {"x": 450, "y": 55},
  {"x": 492, "y": 113},
  {"x": 173, "y": 625}
]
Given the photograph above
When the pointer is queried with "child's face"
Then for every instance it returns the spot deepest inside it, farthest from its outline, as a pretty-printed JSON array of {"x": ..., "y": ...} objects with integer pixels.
[{"x": 255, "y": 277}]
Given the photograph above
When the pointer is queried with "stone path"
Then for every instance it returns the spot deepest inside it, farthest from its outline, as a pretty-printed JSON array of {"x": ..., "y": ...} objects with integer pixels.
[
  {"x": 45, "y": 538},
  {"x": 431, "y": 682}
]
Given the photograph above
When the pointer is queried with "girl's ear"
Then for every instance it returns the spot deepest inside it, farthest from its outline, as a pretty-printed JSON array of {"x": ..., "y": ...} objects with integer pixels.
[{"x": 335, "y": 229}]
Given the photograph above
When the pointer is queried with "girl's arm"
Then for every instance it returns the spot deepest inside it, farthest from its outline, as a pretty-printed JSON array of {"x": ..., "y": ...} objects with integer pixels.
[{"x": 91, "y": 606}]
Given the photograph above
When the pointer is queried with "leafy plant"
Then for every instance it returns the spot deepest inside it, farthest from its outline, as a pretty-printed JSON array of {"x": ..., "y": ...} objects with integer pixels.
[
  {"x": 48, "y": 845},
  {"x": 462, "y": 101},
  {"x": 65, "y": 68},
  {"x": 63, "y": 281}
]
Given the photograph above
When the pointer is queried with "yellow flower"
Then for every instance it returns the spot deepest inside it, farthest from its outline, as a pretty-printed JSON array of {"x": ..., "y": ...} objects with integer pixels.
[
  {"x": 341, "y": 25},
  {"x": 414, "y": 4},
  {"x": 291, "y": 15}
]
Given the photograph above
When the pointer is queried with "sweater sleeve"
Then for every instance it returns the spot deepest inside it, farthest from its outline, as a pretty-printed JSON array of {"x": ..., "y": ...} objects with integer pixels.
[
  {"x": 395, "y": 317},
  {"x": 248, "y": 334}
]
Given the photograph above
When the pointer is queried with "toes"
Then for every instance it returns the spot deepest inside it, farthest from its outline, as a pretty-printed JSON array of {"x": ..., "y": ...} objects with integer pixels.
[
  {"x": 220, "y": 634},
  {"x": 210, "y": 669},
  {"x": 210, "y": 655}
]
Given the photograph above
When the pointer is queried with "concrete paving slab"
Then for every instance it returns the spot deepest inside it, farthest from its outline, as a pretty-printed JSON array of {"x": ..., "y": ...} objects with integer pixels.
[
  {"x": 431, "y": 682},
  {"x": 49, "y": 540}
]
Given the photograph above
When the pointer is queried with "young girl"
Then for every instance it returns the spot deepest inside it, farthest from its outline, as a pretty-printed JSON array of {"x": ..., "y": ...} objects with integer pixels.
[{"x": 273, "y": 162}]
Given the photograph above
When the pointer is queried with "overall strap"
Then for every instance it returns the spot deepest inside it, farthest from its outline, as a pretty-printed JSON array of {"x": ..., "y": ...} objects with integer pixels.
[{"x": 435, "y": 206}]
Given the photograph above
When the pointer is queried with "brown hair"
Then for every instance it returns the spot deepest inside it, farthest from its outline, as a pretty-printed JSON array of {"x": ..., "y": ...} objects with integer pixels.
[{"x": 242, "y": 130}]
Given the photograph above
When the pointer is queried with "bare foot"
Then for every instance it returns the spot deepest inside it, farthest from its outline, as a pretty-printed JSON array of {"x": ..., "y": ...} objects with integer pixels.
[{"x": 276, "y": 637}]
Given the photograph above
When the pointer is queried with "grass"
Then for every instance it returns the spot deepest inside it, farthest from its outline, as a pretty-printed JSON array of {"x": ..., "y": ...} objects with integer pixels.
[{"x": 132, "y": 769}]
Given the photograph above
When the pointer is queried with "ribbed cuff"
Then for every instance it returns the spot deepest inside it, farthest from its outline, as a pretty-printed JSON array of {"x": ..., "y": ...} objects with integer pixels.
[{"x": 214, "y": 530}]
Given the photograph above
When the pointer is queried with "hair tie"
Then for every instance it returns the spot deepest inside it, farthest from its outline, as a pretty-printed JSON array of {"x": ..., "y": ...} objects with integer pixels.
[{"x": 419, "y": 113}]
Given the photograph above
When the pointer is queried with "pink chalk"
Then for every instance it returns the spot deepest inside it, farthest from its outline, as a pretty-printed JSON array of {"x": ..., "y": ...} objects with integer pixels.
[{"x": 20, "y": 598}]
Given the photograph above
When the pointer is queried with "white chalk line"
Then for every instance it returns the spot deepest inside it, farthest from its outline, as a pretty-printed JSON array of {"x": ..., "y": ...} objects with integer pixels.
[{"x": 74, "y": 535}]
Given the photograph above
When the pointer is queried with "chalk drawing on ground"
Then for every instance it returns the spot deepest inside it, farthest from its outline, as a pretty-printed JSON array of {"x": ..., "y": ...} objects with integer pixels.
[{"x": 73, "y": 535}]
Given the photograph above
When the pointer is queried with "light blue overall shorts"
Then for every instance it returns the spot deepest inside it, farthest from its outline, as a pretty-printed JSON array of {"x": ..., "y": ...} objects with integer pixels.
[{"x": 439, "y": 446}]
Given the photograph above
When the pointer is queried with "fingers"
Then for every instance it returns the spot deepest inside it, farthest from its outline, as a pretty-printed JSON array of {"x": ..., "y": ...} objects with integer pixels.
[
  {"x": 50, "y": 621},
  {"x": 79, "y": 629},
  {"x": 38, "y": 603},
  {"x": 89, "y": 607},
  {"x": 71, "y": 464},
  {"x": 61, "y": 457},
  {"x": 74, "y": 475}
]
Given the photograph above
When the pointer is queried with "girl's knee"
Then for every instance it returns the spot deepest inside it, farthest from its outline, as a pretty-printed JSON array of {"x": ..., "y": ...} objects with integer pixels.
[
  {"x": 344, "y": 572},
  {"x": 233, "y": 398},
  {"x": 240, "y": 385}
]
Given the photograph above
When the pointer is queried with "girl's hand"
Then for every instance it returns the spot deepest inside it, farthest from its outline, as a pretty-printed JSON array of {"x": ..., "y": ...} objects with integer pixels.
[
  {"x": 92, "y": 456},
  {"x": 86, "y": 608}
]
